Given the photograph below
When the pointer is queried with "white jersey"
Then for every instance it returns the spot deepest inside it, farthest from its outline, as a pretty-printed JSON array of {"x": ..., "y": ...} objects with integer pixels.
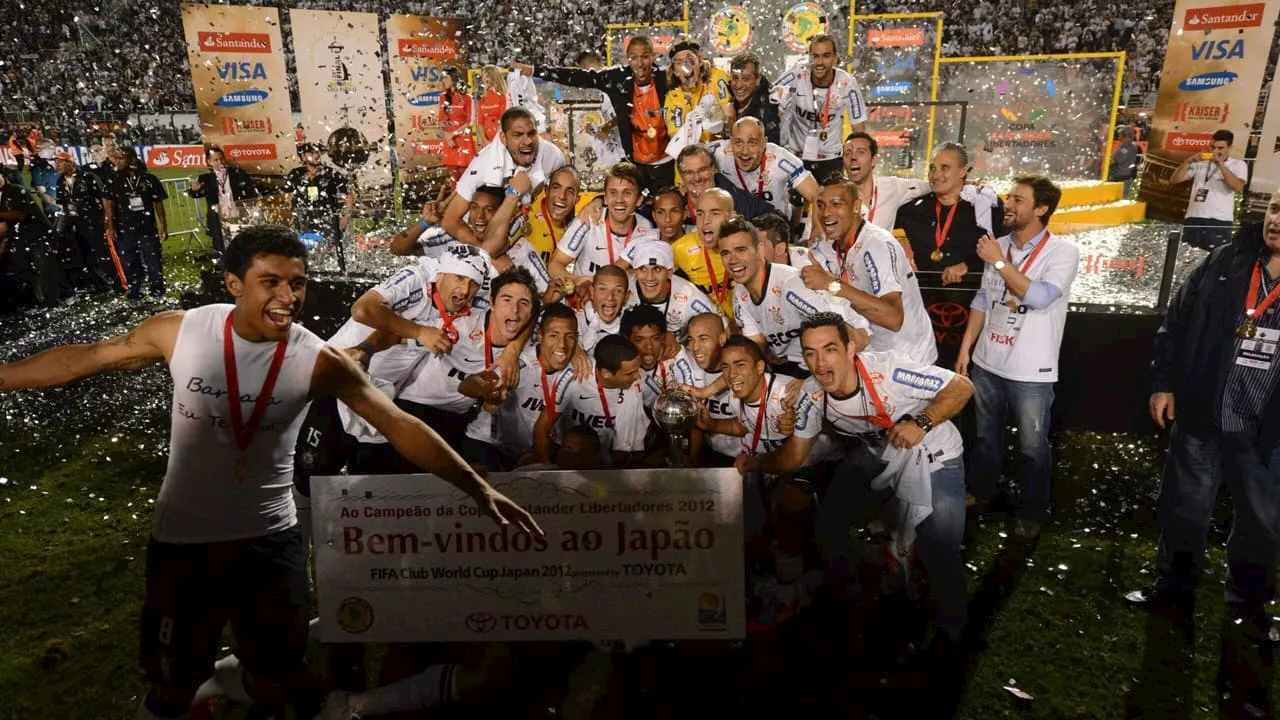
[
  {"x": 784, "y": 305},
  {"x": 409, "y": 294},
  {"x": 522, "y": 254},
  {"x": 1022, "y": 344},
  {"x": 493, "y": 167},
  {"x": 779, "y": 173},
  {"x": 510, "y": 426},
  {"x": 616, "y": 416},
  {"x": 721, "y": 406},
  {"x": 435, "y": 382},
  {"x": 803, "y": 109},
  {"x": 769, "y": 438},
  {"x": 591, "y": 328},
  {"x": 609, "y": 149},
  {"x": 684, "y": 302},
  {"x": 678, "y": 369},
  {"x": 877, "y": 265},
  {"x": 204, "y": 497},
  {"x": 594, "y": 246},
  {"x": 887, "y": 195},
  {"x": 904, "y": 387},
  {"x": 430, "y": 259}
]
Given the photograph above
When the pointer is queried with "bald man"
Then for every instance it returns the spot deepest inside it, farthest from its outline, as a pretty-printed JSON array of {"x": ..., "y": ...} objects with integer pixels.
[
  {"x": 697, "y": 254},
  {"x": 768, "y": 171}
]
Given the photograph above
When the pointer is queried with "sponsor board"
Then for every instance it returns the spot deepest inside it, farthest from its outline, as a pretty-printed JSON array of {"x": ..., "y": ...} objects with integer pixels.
[
  {"x": 1187, "y": 141},
  {"x": 1207, "y": 81},
  {"x": 635, "y": 554},
  {"x": 1224, "y": 17},
  {"x": 160, "y": 157},
  {"x": 896, "y": 37},
  {"x": 435, "y": 48},
  {"x": 242, "y": 42},
  {"x": 242, "y": 98},
  {"x": 249, "y": 153},
  {"x": 890, "y": 89},
  {"x": 1184, "y": 111}
]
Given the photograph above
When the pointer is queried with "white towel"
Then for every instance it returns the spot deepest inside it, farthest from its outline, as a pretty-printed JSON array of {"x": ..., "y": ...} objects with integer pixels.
[
  {"x": 907, "y": 472},
  {"x": 522, "y": 92}
]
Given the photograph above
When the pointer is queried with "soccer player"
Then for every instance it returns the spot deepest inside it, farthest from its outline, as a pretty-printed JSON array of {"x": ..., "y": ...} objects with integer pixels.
[
  {"x": 669, "y": 214},
  {"x": 771, "y": 300},
  {"x": 654, "y": 285},
  {"x": 552, "y": 211},
  {"x": 881, "y": 196},
  {"x": 243, "y": 375},
  {"x": 813, "y": 102},
  {"x": 590, "y": 247},
  {"x": 645, "y": 327},
  {"x": 609, "y": 404},
  {"x": 768, "y": 171},
  {"x": 603, "y": 314},
  {"x": 519, "y": 149},
  {"x": 867, "y": 401},
  {"x": 699, "y": 101},
  {"x": 866, "y": 266},
  {"x": 697, "y": 254},
  {"x": 707, "y": 334}
]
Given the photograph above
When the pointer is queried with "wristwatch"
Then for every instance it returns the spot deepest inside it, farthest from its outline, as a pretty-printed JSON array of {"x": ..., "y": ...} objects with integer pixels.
[
  {"x": 999, "y": 265},
  {"x": 512, "y": 191},
  {"x": 924, "y": 421},
  {"x": 833, "y": 287}
]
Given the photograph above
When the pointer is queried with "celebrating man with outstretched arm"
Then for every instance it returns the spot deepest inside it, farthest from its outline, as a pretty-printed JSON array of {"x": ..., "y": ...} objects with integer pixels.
[{"x": 243, "y": 375}]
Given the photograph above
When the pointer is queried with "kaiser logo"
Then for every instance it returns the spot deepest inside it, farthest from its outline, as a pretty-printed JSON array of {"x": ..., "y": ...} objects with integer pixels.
[
  {"x": 1208, "y": 81},
  {"x": 1224, "y": 17},
  {"x": 235, "y": 126},
  {"x": 234, "y": 42},
  {"x": 896, "y": 37},
  {"x": 1184, "y": 111},
  {"x": 241, "y": 98},
  {"x": 259, "y": 151},
  {"x": 438, "y": 48},
  {"x": 425, "y": 99}
]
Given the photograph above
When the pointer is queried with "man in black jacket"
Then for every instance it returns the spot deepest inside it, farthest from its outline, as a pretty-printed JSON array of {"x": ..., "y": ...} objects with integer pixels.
[
  {"x": 1215, "y": 362},
  {"x": 79, "y": 195},
  {"x": 638, "y": 92},
  {"x": 751, "y": 95},
  {"x": 221, "y": 187}
]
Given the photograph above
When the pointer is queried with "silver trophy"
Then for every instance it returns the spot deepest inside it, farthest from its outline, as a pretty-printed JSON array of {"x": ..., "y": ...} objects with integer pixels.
[{"x": 676, "y": 412}]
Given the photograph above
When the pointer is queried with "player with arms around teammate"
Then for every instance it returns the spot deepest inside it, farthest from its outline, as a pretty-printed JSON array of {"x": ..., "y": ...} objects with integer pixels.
[{"x": 225, "y": 505}]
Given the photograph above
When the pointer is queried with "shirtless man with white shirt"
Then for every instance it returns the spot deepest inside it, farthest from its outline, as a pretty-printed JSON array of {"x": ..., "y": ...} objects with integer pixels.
[{"x": 227, "y": 491}]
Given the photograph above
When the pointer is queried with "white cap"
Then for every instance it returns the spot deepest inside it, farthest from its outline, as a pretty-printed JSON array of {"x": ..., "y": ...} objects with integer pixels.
[
  {"x": 653, "y": 252},
  {"x": 468, "y": 261}
]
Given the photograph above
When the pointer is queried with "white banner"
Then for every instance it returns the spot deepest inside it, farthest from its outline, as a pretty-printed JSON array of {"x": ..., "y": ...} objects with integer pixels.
[{"x": 631, "y": 555}]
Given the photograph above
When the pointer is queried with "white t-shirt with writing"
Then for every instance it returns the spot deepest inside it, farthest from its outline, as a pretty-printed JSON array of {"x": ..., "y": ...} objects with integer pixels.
[
  {"x": 801, "y": 109},
  {"x": 677, "y": 370},
  {"x": 722, "y": 406},
  {"x": 582, "y": 404},
  {"x": 784, "y": 305},
  {"x": 770, "y": 438},
  {"x": 684, "y": 302},
  {"x": 594, "y": 246},
  {"x": 493, "y": 166},
  {"x": 1023, "y": 344},
  {"x": 1210, "y": 197},
  {"x": 435, "y": 382}
]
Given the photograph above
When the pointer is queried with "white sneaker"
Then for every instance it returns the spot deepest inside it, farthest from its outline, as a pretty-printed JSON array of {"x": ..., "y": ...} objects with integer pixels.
[{"x": 337, "y": 706}]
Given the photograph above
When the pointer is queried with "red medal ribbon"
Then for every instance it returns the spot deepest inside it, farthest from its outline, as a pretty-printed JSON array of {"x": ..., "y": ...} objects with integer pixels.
[
  {"x": 760, "y": 419},
  {"x": 719, "y": 290},
  {"x": 941, "y": 230},
  {"x": 547, "y": 400},
  {"x": 488, "y": 346},
  {"x": 446, "y": 320},
  {"x": 604, "y": 403},
  {"x": 875, "y": 202},
  {"x": 244, "y": 433},
  {"x": 1253, "y": 308},
  {"x": 743, "y": 180},
  {"x": 693, "y": 212},
  {"x": 608, "y": 231},
  {"x": 881, "y": 418},
  {"x": 1026, "y": 264},
  {"x": 826, "y": 105}
]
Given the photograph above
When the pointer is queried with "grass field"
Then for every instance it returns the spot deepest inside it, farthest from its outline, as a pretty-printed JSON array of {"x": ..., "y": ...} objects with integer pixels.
[{"x": 80, "y": 467}]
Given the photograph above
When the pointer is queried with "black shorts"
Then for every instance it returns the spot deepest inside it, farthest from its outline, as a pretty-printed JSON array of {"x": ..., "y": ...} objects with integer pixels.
[
  {"x": 259, "y": 585},
  {"x": 323, "y": 447}
]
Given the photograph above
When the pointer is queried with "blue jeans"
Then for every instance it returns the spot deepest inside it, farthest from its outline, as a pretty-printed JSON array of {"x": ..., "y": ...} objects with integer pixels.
[
  {"x": 1188, "y": 491},
  {"x": 1031, "y": 403},
  {"x": 1253, "y": 479},
  {"x": 849, "y": 501},
  {"x": 141, "y": 257}
]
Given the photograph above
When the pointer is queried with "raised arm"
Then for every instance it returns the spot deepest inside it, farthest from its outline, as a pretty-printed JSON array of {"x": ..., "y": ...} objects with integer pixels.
[
  {"x": 147, "y": 344},
  {"x": 338, "y": 376}
]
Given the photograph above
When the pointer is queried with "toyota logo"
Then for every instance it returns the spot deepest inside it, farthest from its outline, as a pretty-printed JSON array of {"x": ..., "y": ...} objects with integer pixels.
[
  {"x": 481, "y": 622},
  {"x": 948, "y": 315}
]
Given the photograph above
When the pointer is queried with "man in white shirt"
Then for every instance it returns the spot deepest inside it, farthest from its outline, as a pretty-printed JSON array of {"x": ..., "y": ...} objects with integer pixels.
[
  {"x": 770, "y": 300},
  {"x": 603, "y": 315},
  {"x": 880, "y": 196},
  {"x": 646, "y": 328},
  {"x": 1014, "y": 335},
  {"x": 813, "y": 102},
  {"x": 517, "y": 148},
  {"x": 882, "y": 407},
  {"x": 707, "y": 334},
  {"x": 589, "y": 247},
  {"x": 768, "y": 171},
  {"x": 1215, "y": 178},
  {"x": 654, "y": 284},
  {"x": 866, "y": 266}
]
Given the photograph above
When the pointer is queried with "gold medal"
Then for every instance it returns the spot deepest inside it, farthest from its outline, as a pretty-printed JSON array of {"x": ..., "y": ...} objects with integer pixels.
[
  {"x": 1012, "y": 305},
  {"x": 569, "y": 287},
  {"x": 651, "y": 132},
  {"x": 1247, "y": 330},
  {"x": 240, "y": 469},
  {"x": 822, "y": 136},
  {"x": 936, "y": 255}
]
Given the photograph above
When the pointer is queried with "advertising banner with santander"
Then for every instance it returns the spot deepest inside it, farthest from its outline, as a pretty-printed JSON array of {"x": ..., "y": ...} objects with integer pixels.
[
  {"x": 421, "y": 48},
  {"x": 175, "y": 157},
  {"x": 1211, "y": 81},
  {"x": 242, "y": 95}
]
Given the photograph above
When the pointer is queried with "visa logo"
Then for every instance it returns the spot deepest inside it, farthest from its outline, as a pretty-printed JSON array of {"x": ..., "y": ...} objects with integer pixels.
[
  {"x": 242, "y": 71},
  {"x": 427, "y": 73},
  {"x": 241, "y": 98},
  {"x": 1218, "y": 50},
  {"x": 423, "y": 99}
]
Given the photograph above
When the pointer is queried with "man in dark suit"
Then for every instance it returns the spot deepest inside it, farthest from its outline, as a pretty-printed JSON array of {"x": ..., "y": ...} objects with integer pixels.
[
  {"x": 221, "y": 188},
  {"x": 80, "y": 224}
]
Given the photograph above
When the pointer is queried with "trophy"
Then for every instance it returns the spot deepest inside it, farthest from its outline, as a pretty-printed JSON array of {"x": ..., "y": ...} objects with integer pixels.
[{"x": 676, "y": 412}]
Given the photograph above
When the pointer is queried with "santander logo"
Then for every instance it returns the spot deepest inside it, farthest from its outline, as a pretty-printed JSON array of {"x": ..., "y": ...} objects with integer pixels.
[
  {"x": 1224, "y": 17},
  {"x": 234, "y": 42}
]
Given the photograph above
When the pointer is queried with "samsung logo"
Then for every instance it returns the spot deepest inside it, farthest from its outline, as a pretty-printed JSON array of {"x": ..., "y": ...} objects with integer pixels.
[
  {"x": 241, "y": 98},
  {"x": 1208, "y": 81},
  {"x": 424, "y": 99},
  {"x": 892, "y": 88}
]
